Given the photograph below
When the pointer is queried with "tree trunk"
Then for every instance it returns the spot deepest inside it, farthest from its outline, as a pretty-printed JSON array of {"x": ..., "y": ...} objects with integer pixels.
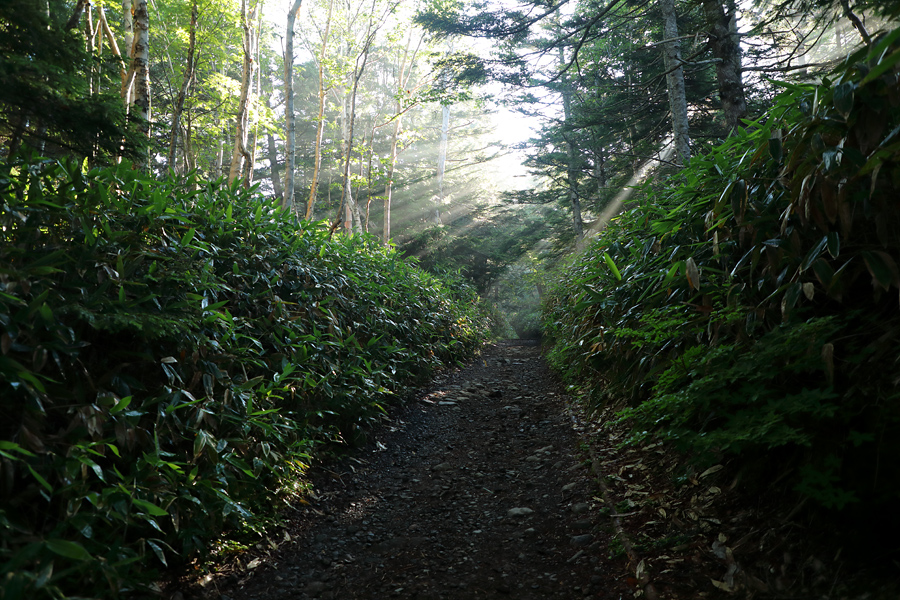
[
  {"x": 90, "y": 40},
  {"x": 72, "y": 23},
  {"x": 347, "y": 200},
  {"x": 239, "y": 154},
  {"x": 187, "y": 78},
  {"x": 320, "y": 120},
  {"x": 141, "y": 66},
  {"x": 273, "y": 161},
  {"x": 190, "y": 161},
  {"x": 854, "y": 20},
  {"x": 675, "y": 83},
  {"x": 404, "y": 73},
  {"x": 114, "y": 46},
  {"x": 386, "y": 225},
  {"x": 220, "y": 156},
  {"x": 251, "y": 156},
  {"x": 442, "y": 163},
  {"x": 368, "y": 174},
  {"x": 571, "y": 157},
  {"x": 725, "y": 42},
  {"x": 128, "y": 29},
  {"x": 289, "y": 119}
]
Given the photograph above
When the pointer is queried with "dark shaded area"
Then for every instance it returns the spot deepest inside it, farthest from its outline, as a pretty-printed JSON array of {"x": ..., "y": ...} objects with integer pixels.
[{"x": 46, "y": 102}]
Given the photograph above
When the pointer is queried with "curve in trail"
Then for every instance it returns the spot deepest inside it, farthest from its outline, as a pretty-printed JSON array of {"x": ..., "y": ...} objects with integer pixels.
[{"x": 474, "y": 490}]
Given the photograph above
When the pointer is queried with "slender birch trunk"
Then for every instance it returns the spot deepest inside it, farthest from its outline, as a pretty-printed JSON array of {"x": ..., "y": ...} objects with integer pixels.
[
  {"x": 128, "y": 29},
  {"x": 141, "y": 66},
  {"x": 675, "y": 83},
  {"x": 240, "y": 154},
  {"x": 442, "y": 162},
  {"x": 187, "y": 79},
  {"x": 386, "y": 226},
  {"x": 290, "y": 150},
  {"x": 320, "y": 119},
  {"x": 89, "y": 45},
  {"x": 347, "y": 200},
  {"x": 113, "y": 45},
  {"x": 273, "y": 160},
  {"x": 251, "y": 160}
]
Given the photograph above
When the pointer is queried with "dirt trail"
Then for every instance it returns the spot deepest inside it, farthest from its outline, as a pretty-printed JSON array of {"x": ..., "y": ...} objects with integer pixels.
[{"x": 473, "y": 490}]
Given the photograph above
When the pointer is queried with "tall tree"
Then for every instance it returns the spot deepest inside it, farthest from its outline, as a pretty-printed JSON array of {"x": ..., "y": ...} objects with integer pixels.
[
  {"x": 187, "y": 78},
  {"x": 140, "y": 61},
  {"x": 358, "y": 54},
  {"x": 320, "y": 118},
  {"x": 290, "y": 127},
  {"x": 403, "y": 95},
  {"x": 725, "y": 43},
  {"x": 675, "y": 82},
  {"x": 240, "y": 153}
]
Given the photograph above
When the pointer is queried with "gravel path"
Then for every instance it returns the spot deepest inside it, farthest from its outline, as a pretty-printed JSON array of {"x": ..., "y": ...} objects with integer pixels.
[{"x": 476, "y": 489}]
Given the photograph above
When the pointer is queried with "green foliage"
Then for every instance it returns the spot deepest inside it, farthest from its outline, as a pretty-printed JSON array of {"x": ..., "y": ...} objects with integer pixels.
[
  {"x": 47, "y": 73},
  {"x": 748, "y": 304},
  {"x": 726, "y": 398},
  {"x": 170, "y": 354}
]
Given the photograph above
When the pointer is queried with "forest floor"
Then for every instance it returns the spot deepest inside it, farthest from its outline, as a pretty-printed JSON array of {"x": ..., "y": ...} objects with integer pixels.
[{"x": 491, "y": 484}]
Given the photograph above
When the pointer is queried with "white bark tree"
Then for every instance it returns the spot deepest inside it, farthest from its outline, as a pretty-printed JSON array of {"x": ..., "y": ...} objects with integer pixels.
[
  {"x": 240, "y": 153},
  {"x": 320, "y": 119},
  {"x": 404, "y": 72},
  {"x": 675, "y": 83},
  {"x": 290, "y": 127},
  {"x": 140, "y": 66}
]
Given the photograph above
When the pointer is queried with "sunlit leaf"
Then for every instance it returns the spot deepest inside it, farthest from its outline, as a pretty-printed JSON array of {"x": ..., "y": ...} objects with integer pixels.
[
  {"x": 692, "y": 272},
  {"x": 612, "y": 266}
]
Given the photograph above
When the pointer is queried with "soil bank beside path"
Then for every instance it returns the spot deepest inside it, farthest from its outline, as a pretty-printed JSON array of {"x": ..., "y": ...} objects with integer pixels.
[{"x": 476, "y": 489}]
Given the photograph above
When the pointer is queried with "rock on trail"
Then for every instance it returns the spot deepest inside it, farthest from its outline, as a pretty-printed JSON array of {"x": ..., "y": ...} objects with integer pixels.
[{"x": 474, "y": 490}]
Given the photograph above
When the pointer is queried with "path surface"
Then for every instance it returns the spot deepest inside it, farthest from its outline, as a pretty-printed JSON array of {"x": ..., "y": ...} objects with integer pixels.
[{"x": 475, "y": 490}]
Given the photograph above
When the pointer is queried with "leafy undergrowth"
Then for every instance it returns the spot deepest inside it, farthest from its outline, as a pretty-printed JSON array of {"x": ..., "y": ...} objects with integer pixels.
[
  {"x": 171, "y": 352},
  {"x": 746, "y": 310},
  {"x": 689, "y": 532}
]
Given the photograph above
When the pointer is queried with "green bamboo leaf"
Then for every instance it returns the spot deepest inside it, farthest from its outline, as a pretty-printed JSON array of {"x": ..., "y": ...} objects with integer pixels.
[
  {"x": 843, "y": 97},
  {"x": 13, "y": 299},
  {"x": 612, "y": 266},
  {"x": 40, "y": 479},
  {"x": 46, "y": 313},
  {"x": 186, "y": 239},
  {"x": 813, "y": 254},
  {"x": 834, "y": 244},
  {"x": 775, "y": 149},
  {"x": 789, "y": 300},
  {"x": 93, "y": 466},
  {"x": 12, "y": 446},
  {"x": 824, "y": 272},
  {"x": 158, "y": 551},
  {"x": 886, "y": 62},
  {"x": 878, "y": 268},
  {"x": 149, "y": 507},
  {"x": 68, "y": 549},
  {"x": 44, "y": 576},
  {"x": 121, "y": 405}
]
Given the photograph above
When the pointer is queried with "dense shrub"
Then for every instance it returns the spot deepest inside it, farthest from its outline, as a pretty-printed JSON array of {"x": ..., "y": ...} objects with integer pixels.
[
  {"x": 750, "y": 304},
  {"x": 170, "y": 352}
]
